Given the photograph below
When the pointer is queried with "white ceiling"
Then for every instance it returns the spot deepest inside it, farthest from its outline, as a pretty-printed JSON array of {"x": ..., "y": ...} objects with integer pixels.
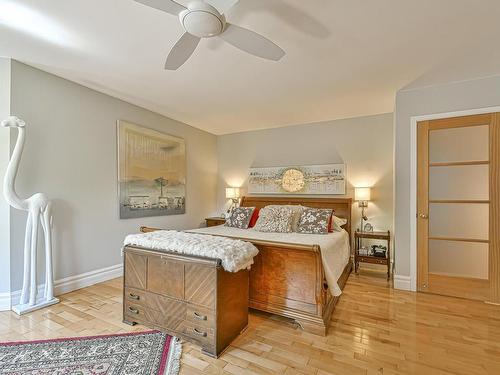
[{"x": 345, "y": 58}]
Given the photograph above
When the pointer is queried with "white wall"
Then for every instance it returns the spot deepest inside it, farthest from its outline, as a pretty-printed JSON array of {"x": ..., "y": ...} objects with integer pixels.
[
  {"x": 365, "y": 144},
  {"x": 4, "y": 159},
  {"x": 460, "y": 96},
  {"x": 70, "y": 154}
]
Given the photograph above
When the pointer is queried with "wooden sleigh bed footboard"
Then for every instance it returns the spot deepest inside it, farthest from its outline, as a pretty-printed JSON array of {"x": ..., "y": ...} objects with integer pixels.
[{"x": 288, "y": 279}]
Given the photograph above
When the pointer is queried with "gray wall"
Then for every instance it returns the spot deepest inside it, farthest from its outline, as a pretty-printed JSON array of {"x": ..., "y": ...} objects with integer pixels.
[
  {"x": 70, "y": 154},
  {"x": 4, "y": 159},
  {"x": 474, "y": 94},
  {"x": 365, "y": 144}
]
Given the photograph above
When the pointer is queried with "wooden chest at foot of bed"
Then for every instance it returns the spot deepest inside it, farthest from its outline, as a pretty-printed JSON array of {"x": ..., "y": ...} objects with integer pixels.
[{"x": 188, "y": 297}]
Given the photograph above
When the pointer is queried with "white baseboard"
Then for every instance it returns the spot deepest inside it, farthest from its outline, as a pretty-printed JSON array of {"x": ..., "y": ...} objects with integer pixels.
[
  {"x": 68, "y": 284},
  {"x": 402, "y": 282},
  {"x": 5, "y": 301}
]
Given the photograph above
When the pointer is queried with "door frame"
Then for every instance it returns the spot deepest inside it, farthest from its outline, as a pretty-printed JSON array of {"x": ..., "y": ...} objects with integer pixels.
[{"x": 414, "y": 120}]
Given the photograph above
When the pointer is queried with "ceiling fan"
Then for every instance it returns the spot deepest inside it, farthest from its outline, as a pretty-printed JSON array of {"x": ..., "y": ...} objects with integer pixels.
[{"x": 205, "y": 20}]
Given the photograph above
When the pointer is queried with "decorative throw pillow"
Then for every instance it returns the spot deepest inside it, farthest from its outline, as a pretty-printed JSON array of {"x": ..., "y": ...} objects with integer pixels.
[
  {"x": 254, "y": 218},
  {"x": 297, "y": 211},
  {"x": 314, "y": 220},
  {"x": 337, "y": 223},
  {"x": 240, "y": 217},
  {"x": 275, "y": 218}
]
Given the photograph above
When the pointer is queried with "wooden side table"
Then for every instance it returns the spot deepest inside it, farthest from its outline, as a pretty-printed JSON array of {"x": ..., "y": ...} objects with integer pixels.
[
  {"x": 385, "y": 236},
  {"x": 213, "y": 221}
]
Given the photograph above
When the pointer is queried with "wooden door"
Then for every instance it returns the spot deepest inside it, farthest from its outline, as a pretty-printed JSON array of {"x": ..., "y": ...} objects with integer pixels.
[{"x": 458, "y": 213}]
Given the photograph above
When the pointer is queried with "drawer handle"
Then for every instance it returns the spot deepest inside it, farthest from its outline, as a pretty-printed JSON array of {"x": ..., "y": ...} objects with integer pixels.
[
  {"x": 133, "y": 296},
  {"x": 133, "y": 311},
  {"x": 199, "y": 333},
  {"x": 199, "y": 316}
]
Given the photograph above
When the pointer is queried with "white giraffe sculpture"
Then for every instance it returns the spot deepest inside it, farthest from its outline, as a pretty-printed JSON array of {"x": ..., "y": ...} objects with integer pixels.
[{"x": 39, "y": 209}]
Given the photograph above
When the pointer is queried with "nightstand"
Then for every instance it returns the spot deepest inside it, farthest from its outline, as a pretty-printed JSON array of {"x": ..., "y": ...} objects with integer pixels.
[
  {"x": 213, "y": 221},
  {"x": 384, "y": 236}
]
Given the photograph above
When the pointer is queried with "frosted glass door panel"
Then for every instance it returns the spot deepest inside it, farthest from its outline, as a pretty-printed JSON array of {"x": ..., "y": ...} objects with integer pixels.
[
  {"x": 462, "y": 259},
  {"x": 459, "y": 220},
  {"x": 459, "y": 144},
  {"x": 470, "y": 182}
]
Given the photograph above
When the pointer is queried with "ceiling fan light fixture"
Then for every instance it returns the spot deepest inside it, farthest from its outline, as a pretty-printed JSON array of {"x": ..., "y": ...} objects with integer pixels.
[{"x": 202, "y": 20}]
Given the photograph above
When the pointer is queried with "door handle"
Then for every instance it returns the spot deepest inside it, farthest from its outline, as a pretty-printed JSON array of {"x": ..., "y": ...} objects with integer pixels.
[{"x": 423, "y": 216}]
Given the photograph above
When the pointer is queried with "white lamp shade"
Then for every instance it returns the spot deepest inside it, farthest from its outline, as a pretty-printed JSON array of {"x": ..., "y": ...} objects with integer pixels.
[
  {"x": 362, "y": 194},
  {"x": 232, "y": 193}
]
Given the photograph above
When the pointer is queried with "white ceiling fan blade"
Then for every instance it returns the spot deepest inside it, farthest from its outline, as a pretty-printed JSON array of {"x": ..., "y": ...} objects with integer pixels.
[
  {"x": 251, "y": 42},
  {"x": 168, "y": 6},
  {"x": 181, "y": 51},
  {"x": 222, "y": 5}
]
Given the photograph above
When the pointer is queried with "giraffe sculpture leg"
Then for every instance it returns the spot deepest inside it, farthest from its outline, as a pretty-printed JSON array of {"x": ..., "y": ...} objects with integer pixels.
[
  {"x": 47, "y": 231},
  {"x": 34, "y": 243},
  {"x": 27, "y": 250}
]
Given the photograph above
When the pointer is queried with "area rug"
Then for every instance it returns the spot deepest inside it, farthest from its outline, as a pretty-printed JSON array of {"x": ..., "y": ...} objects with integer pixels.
[{"x": 147, "y": 353}]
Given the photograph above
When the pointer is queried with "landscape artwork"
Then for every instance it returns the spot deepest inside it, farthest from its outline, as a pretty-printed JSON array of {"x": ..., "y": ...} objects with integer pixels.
[
  {"x": 311, "y": 179},
  {"x": 151, "y": 172}
]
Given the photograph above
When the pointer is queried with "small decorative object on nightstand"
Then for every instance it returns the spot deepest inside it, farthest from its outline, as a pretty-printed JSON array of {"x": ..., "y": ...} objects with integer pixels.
[
  {"x": 377, "y": 254},
  {"x": 213, "y": 221}
]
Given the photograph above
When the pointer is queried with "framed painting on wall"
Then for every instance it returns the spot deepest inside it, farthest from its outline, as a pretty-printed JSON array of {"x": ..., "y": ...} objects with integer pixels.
[
  {"x": 151, "y": 172},
  {"x": 328, "y": 179}
]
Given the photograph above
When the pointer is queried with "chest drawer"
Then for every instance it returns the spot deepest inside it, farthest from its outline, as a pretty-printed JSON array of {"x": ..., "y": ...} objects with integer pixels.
[
  {"x": 200, "y": 316},
  {"x": 165, "y": 305},
  {"x": 143, "y": 314},
  {"x": 201, "y": 335}
]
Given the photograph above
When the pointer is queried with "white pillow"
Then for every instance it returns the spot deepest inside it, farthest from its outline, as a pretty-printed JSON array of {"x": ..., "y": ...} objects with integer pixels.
[{"x": 338, "y": 222}]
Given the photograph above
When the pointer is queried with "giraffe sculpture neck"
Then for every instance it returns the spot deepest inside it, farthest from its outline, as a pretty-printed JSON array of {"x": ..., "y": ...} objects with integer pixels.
[{"x": 10, "y": 176}]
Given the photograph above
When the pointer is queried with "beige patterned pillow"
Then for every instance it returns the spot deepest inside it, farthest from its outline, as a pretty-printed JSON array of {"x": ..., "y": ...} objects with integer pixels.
[
  {"x": 275, "y": 219},
  {"x": 297, "y": 210}
]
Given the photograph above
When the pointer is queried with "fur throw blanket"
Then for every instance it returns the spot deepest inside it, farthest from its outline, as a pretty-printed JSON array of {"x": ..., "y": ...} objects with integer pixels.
[{"x": 234, "y": 254}]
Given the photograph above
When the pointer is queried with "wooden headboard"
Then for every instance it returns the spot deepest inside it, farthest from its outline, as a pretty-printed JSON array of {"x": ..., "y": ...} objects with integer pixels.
[{"x": 341, "y": 206}]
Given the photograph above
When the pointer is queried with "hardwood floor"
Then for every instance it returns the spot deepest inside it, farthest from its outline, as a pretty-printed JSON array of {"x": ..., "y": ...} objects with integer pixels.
[{"x": 374, "y": 330}]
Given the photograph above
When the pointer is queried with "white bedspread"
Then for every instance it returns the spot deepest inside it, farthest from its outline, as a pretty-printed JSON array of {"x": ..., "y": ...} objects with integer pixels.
[
  {"x": 234, "y": 254},
  {"x": 335, "y": 247}
]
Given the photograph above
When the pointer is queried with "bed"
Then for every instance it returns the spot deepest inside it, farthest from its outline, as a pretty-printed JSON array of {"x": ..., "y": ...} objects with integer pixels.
[{"x": 288, "y": 277}]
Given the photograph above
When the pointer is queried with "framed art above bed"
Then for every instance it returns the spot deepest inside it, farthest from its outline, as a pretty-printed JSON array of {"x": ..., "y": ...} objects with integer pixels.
[{"x": 328, "y": 179}]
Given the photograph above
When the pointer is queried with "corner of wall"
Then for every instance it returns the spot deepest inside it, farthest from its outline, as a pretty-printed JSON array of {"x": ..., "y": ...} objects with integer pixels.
[{"x": 5, "y": 95}]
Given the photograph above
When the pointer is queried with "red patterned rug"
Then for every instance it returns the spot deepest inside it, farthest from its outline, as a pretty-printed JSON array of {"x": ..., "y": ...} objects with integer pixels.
[{"x": 148, "y": 353}]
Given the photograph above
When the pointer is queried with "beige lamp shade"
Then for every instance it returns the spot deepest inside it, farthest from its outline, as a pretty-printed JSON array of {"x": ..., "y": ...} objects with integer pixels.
[
  {"x": 232, "y": 193},
  {"x": 362, "y": 194}
]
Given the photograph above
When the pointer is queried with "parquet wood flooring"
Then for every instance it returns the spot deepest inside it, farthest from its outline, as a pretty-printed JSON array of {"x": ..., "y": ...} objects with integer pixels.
[{"x": 374, "y": 330}]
